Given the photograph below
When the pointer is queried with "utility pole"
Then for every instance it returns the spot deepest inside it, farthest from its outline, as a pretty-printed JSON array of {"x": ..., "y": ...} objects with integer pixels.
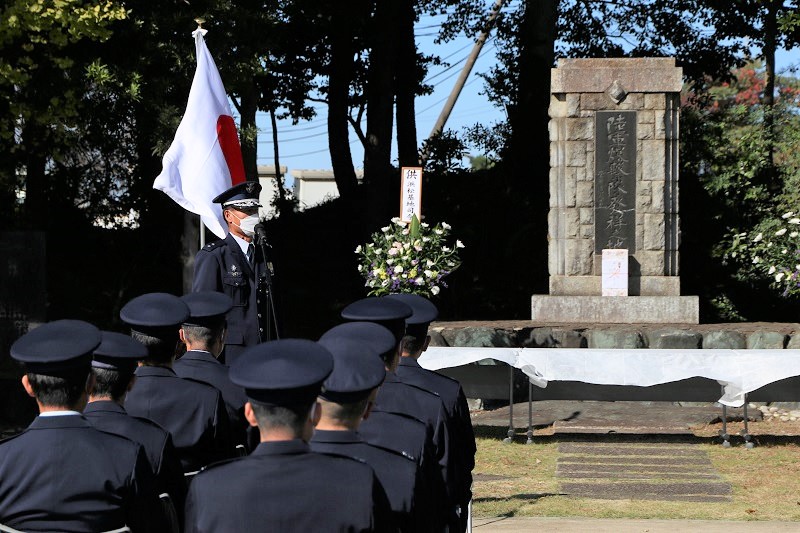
[{"x": 462, "y": 78}]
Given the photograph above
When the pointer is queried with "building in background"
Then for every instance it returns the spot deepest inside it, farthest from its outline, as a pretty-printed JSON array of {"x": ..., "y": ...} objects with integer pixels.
[{"x": 310, "y": 187}]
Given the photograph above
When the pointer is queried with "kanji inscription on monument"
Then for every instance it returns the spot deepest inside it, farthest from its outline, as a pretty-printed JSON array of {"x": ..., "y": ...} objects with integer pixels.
[{"x": 615, "y": 180}]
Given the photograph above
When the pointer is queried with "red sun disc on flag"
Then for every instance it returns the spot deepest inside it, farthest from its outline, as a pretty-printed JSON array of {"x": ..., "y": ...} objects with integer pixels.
[{"x": 229, "y": 142}]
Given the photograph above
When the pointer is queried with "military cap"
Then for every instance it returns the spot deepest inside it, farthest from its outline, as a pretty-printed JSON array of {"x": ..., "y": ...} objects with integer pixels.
[
  {"x": 357, "y": 369},
  {"x": 118, "y": 352},
  {"x": 244, "y": 194},
  {"x": 423, "y": 312},
  {"x": 379, "y": 338},
  {"x": 206, "y": 307},
  {"x": 155, "y": 313},
  {"x": 283, "y": 371},
  {"x": 57, "y": 347},
  {"x": 390, "y": 313}
]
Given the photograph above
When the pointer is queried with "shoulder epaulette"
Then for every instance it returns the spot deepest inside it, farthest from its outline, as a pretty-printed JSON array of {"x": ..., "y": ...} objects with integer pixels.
[
  {"x": 213, "y": 245},
  {"x": 402, "y": 453}
]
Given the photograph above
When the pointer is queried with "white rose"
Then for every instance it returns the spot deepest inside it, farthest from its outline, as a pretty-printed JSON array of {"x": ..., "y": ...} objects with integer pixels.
[
  {"x": 445, "y": 225},
  {"x": 385, "y": 229},
  {"x": 419, "y": 280},
  {"x": 459, "y": 244},
  {"x": 435, "y": 290},
  {"x": 398, "y": 269},
  {"x": 428, "y": 274}
]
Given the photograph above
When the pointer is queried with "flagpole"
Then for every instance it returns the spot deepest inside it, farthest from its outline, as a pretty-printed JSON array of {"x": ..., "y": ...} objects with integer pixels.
[{"x": 202, "y": 234}]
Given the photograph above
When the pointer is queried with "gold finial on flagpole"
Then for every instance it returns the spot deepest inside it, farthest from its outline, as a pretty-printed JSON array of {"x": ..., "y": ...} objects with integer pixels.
[{"x": 200, "y": 21}]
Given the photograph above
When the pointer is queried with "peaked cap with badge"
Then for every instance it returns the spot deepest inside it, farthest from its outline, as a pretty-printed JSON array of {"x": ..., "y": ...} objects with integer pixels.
[
  {"x": 357, "y": 369},
  {"x": 244, "y": 194},
  {"x": 118, "y": 352},
  {"x": 57, "y": 347},
  {"x": 383, "y": 311}
]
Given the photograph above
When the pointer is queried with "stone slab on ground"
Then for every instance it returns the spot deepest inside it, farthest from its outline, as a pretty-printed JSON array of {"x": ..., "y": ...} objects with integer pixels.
[
  {"x": 569, "y": 417},
  {"x": 616, "y": 309},
  {"x": 685, "y": 472}
]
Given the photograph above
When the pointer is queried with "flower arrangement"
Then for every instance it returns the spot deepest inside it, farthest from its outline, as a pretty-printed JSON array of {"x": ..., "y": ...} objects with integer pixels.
[
  {"x": 774, "y": 252},
  {"x": 410, "y": 257}
]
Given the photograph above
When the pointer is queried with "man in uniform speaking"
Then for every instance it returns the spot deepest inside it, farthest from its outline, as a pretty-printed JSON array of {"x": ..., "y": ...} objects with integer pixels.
[{"x": 235, "y": 266}]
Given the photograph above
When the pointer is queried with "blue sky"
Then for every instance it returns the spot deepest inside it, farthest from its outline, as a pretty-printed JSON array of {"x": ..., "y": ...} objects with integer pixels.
[{"x": 304, "y": 146}]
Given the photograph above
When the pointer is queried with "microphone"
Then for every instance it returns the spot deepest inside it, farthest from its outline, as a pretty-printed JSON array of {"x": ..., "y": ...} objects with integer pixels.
[{"x": 261, "y": 232}]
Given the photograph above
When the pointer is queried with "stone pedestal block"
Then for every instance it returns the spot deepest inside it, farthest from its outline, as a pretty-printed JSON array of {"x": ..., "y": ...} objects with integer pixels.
[{"x": 616, "y": 309}]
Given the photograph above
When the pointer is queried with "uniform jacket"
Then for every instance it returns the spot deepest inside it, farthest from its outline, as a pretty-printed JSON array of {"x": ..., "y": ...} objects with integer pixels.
[
  {"x": 111, "y": 417},
  {"x": 285, "y": 487},
  {"x": 221, "y": 266},
  {"x": 459, "y": 424},
  {"x": 62, "y": 474},
  {"x": 205, "y": 368},
  {"x": 192, "y": 412}
]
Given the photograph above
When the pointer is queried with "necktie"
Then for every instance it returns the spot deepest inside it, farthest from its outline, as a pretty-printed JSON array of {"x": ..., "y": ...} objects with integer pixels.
[{"x": 250, "y": 252}]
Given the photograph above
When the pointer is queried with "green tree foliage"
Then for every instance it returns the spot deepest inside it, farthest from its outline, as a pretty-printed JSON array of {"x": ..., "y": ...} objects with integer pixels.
[{"x": 726, "y": 150}]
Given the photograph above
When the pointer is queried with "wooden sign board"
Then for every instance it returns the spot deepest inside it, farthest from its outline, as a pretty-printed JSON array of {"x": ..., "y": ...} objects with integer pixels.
[
  {"x": 410, "y": 193},
  {"x": 615, "y": 272}
]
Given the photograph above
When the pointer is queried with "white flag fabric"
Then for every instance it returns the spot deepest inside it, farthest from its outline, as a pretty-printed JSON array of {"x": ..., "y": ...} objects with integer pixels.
[{"x": 205, "y": 158}]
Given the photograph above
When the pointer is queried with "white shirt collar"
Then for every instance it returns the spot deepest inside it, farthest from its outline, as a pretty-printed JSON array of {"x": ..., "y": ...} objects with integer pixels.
[
  {"x": 243, "y": 244},
  {"x": 59, "y": 413}
]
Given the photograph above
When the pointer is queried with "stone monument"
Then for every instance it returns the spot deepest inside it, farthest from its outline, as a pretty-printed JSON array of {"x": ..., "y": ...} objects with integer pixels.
[{"x": 614, "y": 185}]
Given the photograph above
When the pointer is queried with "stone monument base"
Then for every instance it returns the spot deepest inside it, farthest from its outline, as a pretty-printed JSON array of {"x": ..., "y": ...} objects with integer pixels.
[{"x": 616, "y": 309}]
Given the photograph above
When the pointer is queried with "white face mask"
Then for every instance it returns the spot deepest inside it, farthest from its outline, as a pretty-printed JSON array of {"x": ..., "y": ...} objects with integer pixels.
[{"x": 248, "y": 225}]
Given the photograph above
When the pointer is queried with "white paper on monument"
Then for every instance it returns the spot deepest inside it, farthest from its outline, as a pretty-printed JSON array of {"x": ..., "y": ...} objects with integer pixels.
[
  {"x": 738, "y": 371},
  {"x": 615, "y": 272},
  {"x": 410, "y": 193}
]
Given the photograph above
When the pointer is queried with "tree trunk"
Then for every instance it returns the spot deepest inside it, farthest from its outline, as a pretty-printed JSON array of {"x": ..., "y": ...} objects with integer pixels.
[
  {"x": 247, "y": 127},
  {"x": 406, "y": 83},
  {"x": 770, "y": 39},
  {"x": 341, "y": 73}
]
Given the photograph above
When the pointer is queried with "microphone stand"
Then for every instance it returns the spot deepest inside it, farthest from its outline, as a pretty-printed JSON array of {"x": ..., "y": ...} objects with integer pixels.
[{"x": 266, "y": 279}]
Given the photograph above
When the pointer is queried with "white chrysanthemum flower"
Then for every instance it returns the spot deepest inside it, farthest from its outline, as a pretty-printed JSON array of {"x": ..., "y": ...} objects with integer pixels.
[
  {"x": 424, "y": 224},
  {"x": 459, "y": 244},
  {"x": 426, "y": 239},
  {"x": 445, "y": 225},
  {"x": 794, "y": 221},
  {"x": 360, "y": 268},
  {"x": 419, "y": 281},
  {"x": 390, "y": 261},
  {"x": 438, "y": 232},
  {"x": 788, "y": 215},
  {"x": 385, "y": 229},
  {"x": 771, "y": 270},
  {"x": 780, "y": 232},
  {"x": 779, "y": 277},
  {"x": 756, "y": 260},
  {"x": 794, "y": 234},
  {"x": 445, "y": 249},
  {"x": 784, "y": 251},
  {"x": 395, "y": 220},
  {"x": 378, "y": 251},
  {"x": 435, "y": 290},
  {"x": 758, "y": 237},
  {"x": 398, "y": 269},
  {"x": 797, "y": 267},
  {"x": 769, "y": 245},
  {"x": 400, "y": 223},
  {"x": 429, "y": 263},
  {"x": 428, "y": 273},
  {"x": 358, "y": 249}
]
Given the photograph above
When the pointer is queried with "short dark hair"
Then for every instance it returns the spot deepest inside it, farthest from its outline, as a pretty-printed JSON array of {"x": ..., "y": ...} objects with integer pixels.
[
  {"x": 204, "y": 334},
  {"x": 160, "y": 349},
  {"x": 292, "y": 416},
  {"x": 112, "y": 383},
  {"x": 413, "y": 344},
  {"x": 345, "y": 412},
  {"x": 64, "y": 390}
]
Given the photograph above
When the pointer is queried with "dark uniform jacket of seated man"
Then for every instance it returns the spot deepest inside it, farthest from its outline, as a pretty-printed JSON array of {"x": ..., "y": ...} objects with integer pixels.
[
  {"x": 61, "y": 473},
  {"x": 222, "y": 266},
  {"x": 283, "y": 485}
]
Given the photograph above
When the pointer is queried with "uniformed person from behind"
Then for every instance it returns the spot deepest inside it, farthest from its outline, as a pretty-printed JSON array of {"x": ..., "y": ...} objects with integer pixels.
[
  {"x": 396, "y": 395},
  {"x": 235, "y": 266},
  {"x": 386, "y": 427},
  {"x": 113, "y": 366},
  {"x": 462, "y": 436},
  {"x": 61, "y": 473},
  {"x": 282, "y": 485},
  {"x": 346, "y": 398},
  {"x": 192, "y": 412},
  {"x": 203, "y": 333}
]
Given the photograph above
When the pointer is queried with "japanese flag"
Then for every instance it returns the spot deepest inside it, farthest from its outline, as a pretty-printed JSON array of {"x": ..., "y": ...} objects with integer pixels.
[{"x": 205, "y": 158}]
